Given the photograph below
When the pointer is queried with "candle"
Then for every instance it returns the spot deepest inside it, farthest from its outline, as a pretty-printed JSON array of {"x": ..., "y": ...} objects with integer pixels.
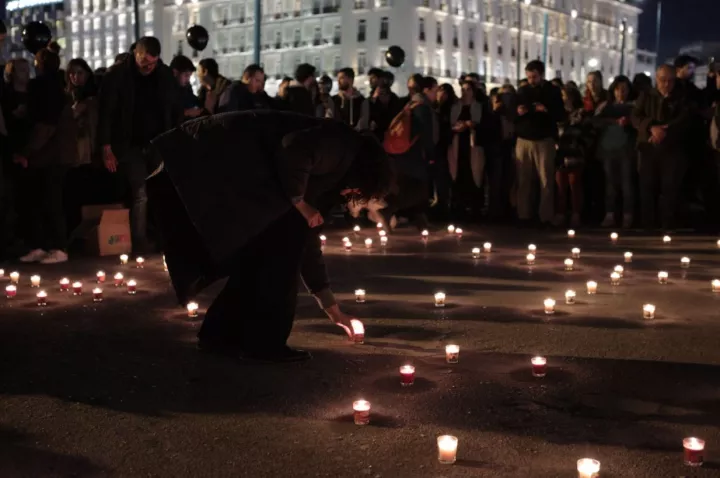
[
  {"x": 382, "y": 233},
  {"x": 356, "y": 229},
  {"x": 487, "y": 247},
  {"x": 323, "y": 239},
  {"x": 10, "y": 291},
  {"x": 588, "y": 468},
  {"x": 570, "y": 297},
  {"x": 348, "y": 246},
  {"x": 648, "y": 311},
  {"x": 575, "y": 252},
  {"x": 124, "y": 259},
  {"x": 715, "y": 285},
  {"x": 614, "y": 236},
  {"x": 383, "y": 241},
  {"x": 549, "y": 306},
  {"x": 718, "y": 243},
  {"x": 360, "y": 296},
  {"x": 569, "y": 264},
  {"x": 42, "y": 298},
  {"x": 530, "y": 259},
  {"x": 192, "y": 309},
  {"x": 451, "y": 229},
  {"x": 663, "y": 277},
  {"x": 452, "y": 353},
  {"x": 407, "y": 375},
  {"x": 97, "y": 294},
  {"x": 358, "y": 331},
  {"x": 620, "y": 270},
  {"x": 571, "y": 233},
  {"x": 131, "y": 287},
  {"x": 100, "y": 277},
  {"x": 447, "y": 449},
  {"x": 15, "y": 277},
  {"x": 77, "y": 288},
  {"x": 475, "y": 252},
  {"x": 615, "y": 278},
  {"x": 118, "y": 279},
  {"x": 694, "y": 451},
  {"x": 685, "y": 262},
  {"x": 2, "y": 272},
  {"x": 345, "y": 239},
  {"x": 361, "y": 412},
  {"x": 440, "y": 299},
  {"x": 532, "y": 248},
  {"x": 64, "y": 284},
  {"x": 539, "y": 366},
  {"x": 667, "y": 240},
  {"x": 628, "y": 257},
  {"x": 140, "y": 262},
  {"x": 379, "y": 225},
  {"x": 425, "y": 233},
  {"x": 368, "y": 243},
  {"x": 458, "y": 231},
  {"x": 34, "y": 281},
  {"x": 592, "y": 287}
]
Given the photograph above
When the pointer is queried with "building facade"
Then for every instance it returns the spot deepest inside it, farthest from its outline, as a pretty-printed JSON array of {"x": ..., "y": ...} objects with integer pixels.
[
  {"x": 646, "y": 62},
  {"x": 21, "y": 12}
]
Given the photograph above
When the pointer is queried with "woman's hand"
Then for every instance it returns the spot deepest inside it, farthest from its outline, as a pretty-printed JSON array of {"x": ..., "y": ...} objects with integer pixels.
[
  {"x": 341, "y": 319},
  {"x": 311, "y": 215}
]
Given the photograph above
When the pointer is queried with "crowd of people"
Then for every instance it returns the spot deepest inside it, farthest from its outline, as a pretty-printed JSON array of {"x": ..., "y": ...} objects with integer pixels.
[{"x": 543, "y": 153}]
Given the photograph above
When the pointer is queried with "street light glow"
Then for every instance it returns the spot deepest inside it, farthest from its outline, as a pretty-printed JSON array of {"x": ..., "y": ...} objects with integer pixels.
[
  {"x": 631, "y": 30},
  {"x": 573, "y": 13},
  {"x": 528, "y": 2},
  {"x": 593, "y": 62}
]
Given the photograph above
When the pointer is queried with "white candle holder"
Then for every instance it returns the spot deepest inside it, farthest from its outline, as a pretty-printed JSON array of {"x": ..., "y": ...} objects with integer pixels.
[
  {"x": 368, "y": 243},
  {"x": 458, "y": 232},
  {"x": 615, "y": 278},
  {"x": 715, "y": 284},
  {"x": 35, "y": 281},
  {"x": 663, "y": 277},
  {"x": 360, "y": 296},
  {"x": 588, "y": 468},
  {"x": 361, "y": 412},
  {"x": 382, "y": 233},
  {"x": 192, "y": 309},
  {"x": 614, "y": 237},
  {"x": 475, "y": 252},
  {"x": 383, "y": 241},
  {"x": 628, "y": 257},
  {"x": 440, "y": 299},
  {"x": 450, "y": 229},
  {"x": 379, "y": 225},
  {"x": 549, "y": 306},
  {"x": 685, "y": 262},
  {"x": 530, "y": 258},
  {"x": 571, "y": 234},
  {"x": 345, "y": 239},
  {"x": 323, "y": 239},
  {"x": 648, "y": 311},
  {"x": 569, "y": 264},
  {"x": 124, "y": 259},
  {"x": 2, "y": 273},
  {"x": 575, "y": 252},
  {"x": 447, "y": 449},
  {"x": 667, "y": 240},
  {"x": 358, "y": 330},
  {"x": 570, "y": 297},
  {"x": 347, "y": 246},
  {"x": 452, "y": 353},
  {"x": 356, "y": 229},
  {"x": 532, "y": 248},
  {"x": 424, "y": 234},
  {"x": 15, "y": 277},
  {"x": 487, "y": 247},
  {"x": 620, "y": 270},
  {"x": 592, "y": 287}
]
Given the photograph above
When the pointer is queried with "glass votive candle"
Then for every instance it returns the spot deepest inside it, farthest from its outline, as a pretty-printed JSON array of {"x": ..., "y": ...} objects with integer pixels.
[
  {"x": 452, "y": 353},
  {"x": 192, "y": 309},
  {"x": 570, "y": 297},
  {"x": 368, "y": 243},
  {"x": 425, "y": 233},
  {"x": 77, "y": 288},
  {"x": 620, "y": 270},
  {"x": 458, "y": 232},
  {"x": 694, "y": 451},
  {"x": 100, "y": 277},
  {"x": 35, "y": 281},
  {"x": 64, "y": 284},
  {"x": 663, "y": 277},
  {"x": 450, "y": 229},
  {"x": 140, "y": 262},
  {"x": 356, "y": 229},
  {"x": 131, "y": 287},
  {"x": 447, "y": 449},
  {"x": 614, "y": 237},
  {"x": 2, "y": 272},
  {"x": 382, "y": 233},
  {"x": 348, "y": 246},
  {"x": 487, "y": 247},
  {"x": 379, "y": 225},
  {"x": 475, "y": 252},
  {"x": 358, "y": 330},
  {"x": 124, "y": 259},
  {"x": 361, "y": 412},
  {"x": 648, "y": 311},
  {"x": 575, "y": 252},
  {"x": 569, "y": 264},
  {"x": 667, "y": 240},
  {"x": 323, "y": 239},
  {"x": 571, "y": 233},
  {"x": 615, "y": 278},
  {"x": 360, "y": 296},
  {"x": 440, "y": 299},
  {"x": 119, "y": 279},
  {"x": 97, "y": 294},
  {"x": 345, "y": 239},
  {"x": 532, "y": 248},
  {"x": 715, "y": 285},
  {"x": 718, "y": 243},
  {"x": 539, "y": 366},
  {"x": 10, "y": 291},
  {"x": 628, "y": 257},
  {"x": 15, "y": 277},
  {"x": 592, "y": 287},
  {"x": 41, "y": 298},
  {"x": 383, "y": 241},
  {"x": 530, "y": 258},
  {"x": 588, "y": 468},
  {"x": 549, "y": 306},
  {"x": 407, "y": 375},
  {"x": 685, "y": 262}
]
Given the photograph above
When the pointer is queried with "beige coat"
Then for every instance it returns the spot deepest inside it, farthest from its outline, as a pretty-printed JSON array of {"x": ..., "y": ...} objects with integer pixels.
[{"x": 477, "y": 153}]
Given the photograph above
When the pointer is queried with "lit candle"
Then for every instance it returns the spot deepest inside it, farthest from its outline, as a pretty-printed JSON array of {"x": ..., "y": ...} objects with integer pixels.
[
  {"x": 383, "y": 241},
  {"x": 628, "y": 257},
  {"x": 575, "y": 252},
  {"x": 407, "y": 375},
  {"x": 345, "y": 239},
  {"x": 118, "y": 279},
  {"x": 440, "y": 299},
  {"x": 356, "y": 229},
  {"x": 10, "y": 291},
  {"x": 588, "y": 468},
  {"x": 549, "y": 306},
  {"x": 64, "y": 284},
  {"x": 131, "y": 287},
  {"x": 360, "y": 296},
  {"x": 425, "y": 233},
  {"x": 620, "y": 270},
  {"x": 140, "y": 262},
  {"x": 459, "y": 232},
  {"x": 192, "y": 309},
  {"x": 539, "y": 366},
  {"x": 452, "y": 353},
  {"x": 532, "y": 248},
  {"x": 348, "y": 246},
  {"x": 100, "y": 277},
  {"x": 592, "y": 287},
  {"x": 382, "y": 233},
  {"x": 475, "y": 252},
  {"x": 648, "y": 311},
  {"x": 615, "y": 278},
  {"x": 323, "y": 239},
  {"x": 41, "y": 298},
  {"x": 570, "y": 297},
  {"x": 667, "y": 240},
  {"x": 97, "y": 294},
  {"x": 368, "y": 243},
  {"x": 614, "y": 237},
  {"x": 685, "y": 262},
  {"x": 530, "y": 259},
  {"x": 15, "y": 277},
  {"x": 2, "y": 272},
  {"x": 361, "y": 412},
  {"x": 451, "y": 229},
  {"x": 447, "y": 449},
  {"x": 571, "y": 233},
  {"x": 694, "y": 451},
  {"x": 487, "y": 247},
  {"x": 715, "y": 285},
  {"x": 379, "y": 225},
  {"x": 34, "y": 281},
  {"x": 718, "y": 243},
  {"x": 77, "y": 288},
  {"x": 569, "y": 264},
  {"x": 124, "y": 259},
  {"x": 358, "y": 331},
  {"x": 663, "y": 277}
]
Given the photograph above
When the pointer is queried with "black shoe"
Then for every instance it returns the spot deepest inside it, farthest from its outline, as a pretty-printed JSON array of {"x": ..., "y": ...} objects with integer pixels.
[{"x": 283, "y": 354}]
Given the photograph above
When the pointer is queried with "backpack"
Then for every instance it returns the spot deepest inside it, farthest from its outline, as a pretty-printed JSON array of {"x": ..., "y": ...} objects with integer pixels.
[{"x": 398, "y": 135}]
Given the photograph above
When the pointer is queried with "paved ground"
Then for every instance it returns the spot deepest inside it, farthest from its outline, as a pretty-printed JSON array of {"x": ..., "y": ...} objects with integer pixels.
[{"x": 117, "y": 389}]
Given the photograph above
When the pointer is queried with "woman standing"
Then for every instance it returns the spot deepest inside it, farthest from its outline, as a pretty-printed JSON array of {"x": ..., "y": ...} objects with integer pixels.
[
  {"x": 571, "y": 155},
  {"x": 82, "y": 93}
]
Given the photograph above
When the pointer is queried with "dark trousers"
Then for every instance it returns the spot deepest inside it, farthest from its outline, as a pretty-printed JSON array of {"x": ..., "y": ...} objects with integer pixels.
[
  {"x": 256, "y": 308},
  {"x": 48, "y": 227},
  {"x": 134, "y": 170},
  {"x": 501, "y": 175},
  {"x": 619, "y": 180},
  {"x": 440, "y": 185},
  {"x": 661, "y": 179}
]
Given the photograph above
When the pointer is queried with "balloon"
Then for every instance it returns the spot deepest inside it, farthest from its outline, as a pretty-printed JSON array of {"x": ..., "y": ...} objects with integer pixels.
[
  {"x": 197, "y": 37},
  {"x": 395, "y": 56},
  {"x": 36, "y": 36}
]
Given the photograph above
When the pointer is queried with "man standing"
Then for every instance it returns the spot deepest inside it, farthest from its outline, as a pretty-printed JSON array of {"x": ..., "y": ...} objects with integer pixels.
[
  {"x": 540, "y": 108},
  {"x": 250, "y": 90},
  {"x": 300, "y": 93},
  {"x": 139, "y": 100},
  {"x": 348, "y": 101},
  {"x": 183, "y": 68},
  {"x": 217, "y": 94}
]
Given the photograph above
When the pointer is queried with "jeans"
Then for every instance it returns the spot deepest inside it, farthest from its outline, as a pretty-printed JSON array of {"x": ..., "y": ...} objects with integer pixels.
[
  {"x": 535, "y": 158},
  {"x": 572, "y": 179},
  {"x": 619, "y": 173},
  {"x": 134, "y": 170},
  {"x": 48, "y": 226},
  {"x": 661, "y": 176}
]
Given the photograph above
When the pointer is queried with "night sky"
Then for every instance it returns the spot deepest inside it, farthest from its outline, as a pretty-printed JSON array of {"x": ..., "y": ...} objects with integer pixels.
[{"x": 683, "y": 22}]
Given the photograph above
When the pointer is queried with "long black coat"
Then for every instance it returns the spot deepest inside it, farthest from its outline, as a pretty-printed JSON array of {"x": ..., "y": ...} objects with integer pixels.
[{"x": 228, "y": 177}]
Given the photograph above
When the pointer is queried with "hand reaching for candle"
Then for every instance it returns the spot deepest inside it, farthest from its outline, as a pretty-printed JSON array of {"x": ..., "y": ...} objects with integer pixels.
[
  {"x": 311, "y": 215},
  {"x": 340, "y": 318}
]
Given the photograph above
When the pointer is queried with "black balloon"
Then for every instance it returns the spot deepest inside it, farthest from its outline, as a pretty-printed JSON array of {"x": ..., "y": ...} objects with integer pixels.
[
  {"x": 395, "y": 56},
  {"x": 36, "y": 36},
  {"x": 197, "y": 37}
]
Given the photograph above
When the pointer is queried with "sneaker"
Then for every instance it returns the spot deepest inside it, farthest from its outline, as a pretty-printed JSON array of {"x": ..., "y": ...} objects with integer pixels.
[
  {"x": 54, "y": 257},
  {"x": 558, "y": 220},
  {"x": 575, "y": 220},
  {"x": 627, "y": 221},
  {"x": 36, "y": 255},
  {"x": 609, "y": 220}
]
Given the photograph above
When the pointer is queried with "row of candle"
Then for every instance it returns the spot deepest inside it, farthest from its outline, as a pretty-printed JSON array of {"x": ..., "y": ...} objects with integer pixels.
[{"x": 77, "y": 289}]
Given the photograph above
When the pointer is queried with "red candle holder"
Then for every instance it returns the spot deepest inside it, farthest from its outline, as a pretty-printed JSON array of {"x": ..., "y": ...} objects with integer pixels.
[
  {"x": 97, "y": 295},
  {"x": 10, "y": 291},
  {"x": 694, "y": 451},
  {"x": 348, "y": 246},
  {"x": 77, "y": 288},
  {"x": 361, "y": 412},
  {"x": 539, "y": 366},
  {"x": 42, "y": 298},
  {"x": 131, "y": 287},
  {"x": 100, "y": 277},
  {"x": 407, "y": 375},
  {"x": 119, "y": 279},
  {"x": 64, "y": 285}
]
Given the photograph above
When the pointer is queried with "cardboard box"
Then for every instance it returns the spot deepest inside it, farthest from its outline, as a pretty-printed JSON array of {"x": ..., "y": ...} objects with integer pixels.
[{"x": 107, "y": 229}]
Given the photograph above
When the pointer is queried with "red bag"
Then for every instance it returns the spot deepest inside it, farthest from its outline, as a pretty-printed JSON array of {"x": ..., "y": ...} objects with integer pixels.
[{"x": 397, "y": 137}]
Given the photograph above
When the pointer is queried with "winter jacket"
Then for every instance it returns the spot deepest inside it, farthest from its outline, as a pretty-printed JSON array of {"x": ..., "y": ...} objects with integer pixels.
[
  {"x": 298, "y": 99},
  {"x": 652, "y": 109},
  {"x": 573, "y": 144},
  {"x": 477, "y": 152},
  {"x": 378, "y": 113},
  {"x": 227, "y": 96},
  {"x": 538, "y": 125},
  {"x": 612, "y": 136},
  {"x": 349, "y": 108}
]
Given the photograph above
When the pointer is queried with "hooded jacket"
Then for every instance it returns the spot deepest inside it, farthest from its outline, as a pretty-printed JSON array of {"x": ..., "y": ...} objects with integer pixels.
[{"x": 349, "y": 107}]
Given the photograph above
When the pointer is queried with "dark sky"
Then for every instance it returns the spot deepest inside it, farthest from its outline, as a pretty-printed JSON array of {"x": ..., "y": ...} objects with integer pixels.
[{"x": 683, "y": 21}]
